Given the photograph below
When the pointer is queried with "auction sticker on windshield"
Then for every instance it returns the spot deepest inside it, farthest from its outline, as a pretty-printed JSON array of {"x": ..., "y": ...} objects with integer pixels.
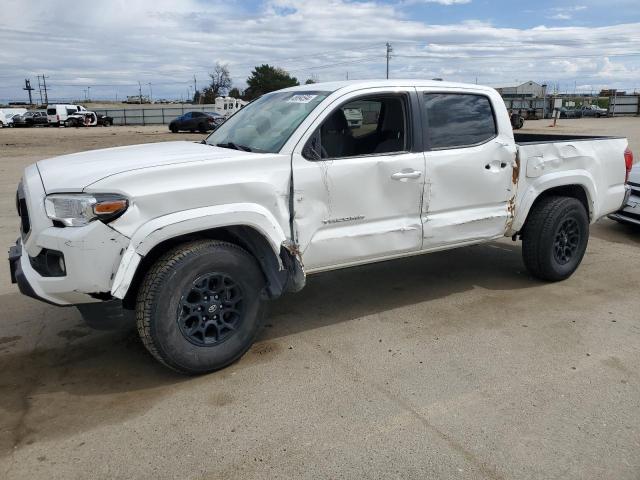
[{"x": 301, "y": 98}]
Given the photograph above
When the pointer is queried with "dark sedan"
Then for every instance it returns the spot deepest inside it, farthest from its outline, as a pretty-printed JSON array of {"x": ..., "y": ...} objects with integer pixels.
[
  {"x": 192, "y": 121},
  {"x": 31, "y": 119}
]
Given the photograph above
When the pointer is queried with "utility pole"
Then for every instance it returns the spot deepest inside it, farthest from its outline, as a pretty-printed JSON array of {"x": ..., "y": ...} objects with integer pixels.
[
  {"x": 39, "y": 88},
  {"x": 139, "y": 92},
  {"x": 28, "y": 88},
  {"x": 88, "y": 93},
  {"x": 150, "y": 92},
  {"x": 389, "y": 50},
  {"x": 195, "y": 87},
  {"x": 44, "y": 84}
]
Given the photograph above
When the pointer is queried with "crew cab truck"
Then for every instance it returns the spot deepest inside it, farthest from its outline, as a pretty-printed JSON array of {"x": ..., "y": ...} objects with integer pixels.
[{"x": 188, "y": 240}]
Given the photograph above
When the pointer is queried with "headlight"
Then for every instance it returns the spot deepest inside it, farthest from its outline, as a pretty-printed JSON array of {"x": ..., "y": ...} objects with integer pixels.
[{"x": 76, "y": 210}]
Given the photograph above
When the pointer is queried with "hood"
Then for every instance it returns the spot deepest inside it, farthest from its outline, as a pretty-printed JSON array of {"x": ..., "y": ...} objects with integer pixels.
[{"x": 74, "y": 172}]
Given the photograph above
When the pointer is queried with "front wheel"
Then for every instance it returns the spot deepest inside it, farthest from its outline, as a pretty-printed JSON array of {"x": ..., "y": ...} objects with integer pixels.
[
  {"x": 199, "y": 307},
  {"x": 555, "y": 238}
]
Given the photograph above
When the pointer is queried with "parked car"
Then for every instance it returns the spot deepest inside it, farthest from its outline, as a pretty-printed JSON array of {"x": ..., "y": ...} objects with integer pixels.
[
  {"x": 33, "y": 118},
  {"x": 59, "y": 113},
  {"x": 188, "y": 239},
  {"x": 630, "y": 212},
  {"x": 593, "y": 111},
  {"x": 86, "y": 118},
  {"x": 192, "y": 121},
  {"x": 354, "y": 117},
  {"x": 218, "y": 119},
  {"x": 517, "y": 121},
  {"x": 570, "y": 112},
  {"x": 7, "y": 114}
]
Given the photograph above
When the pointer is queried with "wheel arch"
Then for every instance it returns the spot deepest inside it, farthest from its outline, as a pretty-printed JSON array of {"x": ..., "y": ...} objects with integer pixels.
[
  {"x": 274, "y": 265},
  {"x": 248, "y": 225},
  {"x": 579, "y": 191}
]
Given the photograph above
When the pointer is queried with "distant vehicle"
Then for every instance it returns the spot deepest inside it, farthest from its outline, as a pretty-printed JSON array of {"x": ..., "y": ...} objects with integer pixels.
[
  {"x": 354, "y": 117},
  {"x": 137, "y": 99},
  {"x": 227, "y": 106},
  {"x": 7, "y": 114},
  {"x": 58, "y": 113},
  {"x": 192, "y": 121},
  {"x": 217, "y": 118},
  {"x": 33, "y": 118},
  {"x": 630, "y": 212},
  {"x": 517, "y": 121},
  {"x": 570, "y": 112},
  {"x": 593, "y": 111},
  {"x": 88, "y": 119}
]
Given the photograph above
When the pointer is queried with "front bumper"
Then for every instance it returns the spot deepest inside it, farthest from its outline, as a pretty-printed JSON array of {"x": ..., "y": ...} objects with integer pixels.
[
  {"x": 17, "y": 274},
  {"x": 630, "y": 211}
]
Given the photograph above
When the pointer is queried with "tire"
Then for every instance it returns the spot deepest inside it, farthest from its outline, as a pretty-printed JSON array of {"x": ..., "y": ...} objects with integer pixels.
[
  {"x": 555, "y": 238},
  {"x": 173, "y": 129},
  {"x": 202, "y": 128},
  {"x": 191, "y": 273},
  {"x": 520, "y": 123}
]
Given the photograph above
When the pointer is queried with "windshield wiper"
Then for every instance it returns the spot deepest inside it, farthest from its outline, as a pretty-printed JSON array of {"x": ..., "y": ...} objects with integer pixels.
[{"x": 242, "y": 148}]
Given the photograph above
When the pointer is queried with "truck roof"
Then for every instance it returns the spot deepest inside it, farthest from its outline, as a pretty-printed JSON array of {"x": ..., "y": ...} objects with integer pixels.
[{"x": 359, "y": 84}]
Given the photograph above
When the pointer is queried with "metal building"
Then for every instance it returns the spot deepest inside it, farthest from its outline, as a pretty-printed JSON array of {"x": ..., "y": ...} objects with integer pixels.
[{"x": 528, "y": 89}]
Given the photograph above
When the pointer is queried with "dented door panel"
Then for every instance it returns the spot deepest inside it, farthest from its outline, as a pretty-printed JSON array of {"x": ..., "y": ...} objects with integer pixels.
[
  {"x": 355, "y": 209},
  {"x": 349, "y": 210}
]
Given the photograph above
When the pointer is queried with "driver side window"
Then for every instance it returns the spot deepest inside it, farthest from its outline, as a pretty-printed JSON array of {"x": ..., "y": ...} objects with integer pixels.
[{"x": 373, "y": 125}]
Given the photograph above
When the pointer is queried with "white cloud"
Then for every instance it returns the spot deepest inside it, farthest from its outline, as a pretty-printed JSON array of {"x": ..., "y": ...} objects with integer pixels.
[
  {"x": 441, "y": 2},
  {"x": 166, "y": 43}
]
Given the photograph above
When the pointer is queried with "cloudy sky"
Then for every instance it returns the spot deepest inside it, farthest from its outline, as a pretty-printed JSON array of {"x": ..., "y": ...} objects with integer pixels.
[{"x": 110, "y": 46}]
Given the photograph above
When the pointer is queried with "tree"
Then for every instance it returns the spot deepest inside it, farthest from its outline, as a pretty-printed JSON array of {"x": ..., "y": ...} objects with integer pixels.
[
  {"x": 265, "y": 79},
  {"x": 235, "y": 93},
  {"x": 310, "y": 81},
  {"x": 219, "y": 85}
]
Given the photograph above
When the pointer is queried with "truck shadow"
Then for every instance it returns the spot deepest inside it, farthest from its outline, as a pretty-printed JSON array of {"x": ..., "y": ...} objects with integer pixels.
[
  {"x": 59, "y": 377},
  {"x": 343, "y": 295}
]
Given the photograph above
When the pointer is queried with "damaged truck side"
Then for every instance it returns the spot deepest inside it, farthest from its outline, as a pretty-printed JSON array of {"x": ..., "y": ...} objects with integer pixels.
[{"x": 188, "y": 240}]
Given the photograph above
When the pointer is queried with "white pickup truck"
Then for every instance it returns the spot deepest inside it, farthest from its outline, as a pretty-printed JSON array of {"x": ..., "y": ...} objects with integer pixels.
[{"x": 188, "y": 240}]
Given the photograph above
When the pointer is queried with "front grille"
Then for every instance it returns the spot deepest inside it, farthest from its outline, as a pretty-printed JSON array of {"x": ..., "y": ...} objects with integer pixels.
[{"x": 23, "y": 211}]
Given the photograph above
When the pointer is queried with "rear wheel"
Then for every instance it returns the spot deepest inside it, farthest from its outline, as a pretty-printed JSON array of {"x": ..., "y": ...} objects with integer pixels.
[
  {"x": 202, "y": 128},
  {"x": 199, "y": 307},
  {"x": 555, "y": 238}
]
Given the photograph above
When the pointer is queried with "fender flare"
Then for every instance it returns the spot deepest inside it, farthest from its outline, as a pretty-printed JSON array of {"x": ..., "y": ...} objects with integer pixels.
[
  {"x": 538, "y": 186},
  {"x": 160, "y": 229}
]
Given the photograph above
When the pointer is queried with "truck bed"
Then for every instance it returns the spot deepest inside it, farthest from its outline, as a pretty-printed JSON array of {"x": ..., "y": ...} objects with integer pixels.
[
  {"x": 594, "y": 163},
  {"x": 531, "y": 138}
]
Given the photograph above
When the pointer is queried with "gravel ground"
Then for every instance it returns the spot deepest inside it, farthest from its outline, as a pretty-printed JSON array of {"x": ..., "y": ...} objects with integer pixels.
[{"x": 454, "y": 364}]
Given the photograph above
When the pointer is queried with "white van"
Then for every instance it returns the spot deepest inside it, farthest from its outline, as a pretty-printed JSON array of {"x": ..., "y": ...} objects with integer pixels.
[
  {"x": 7, "y": 113},
  {"x": 57, "y": 114}
]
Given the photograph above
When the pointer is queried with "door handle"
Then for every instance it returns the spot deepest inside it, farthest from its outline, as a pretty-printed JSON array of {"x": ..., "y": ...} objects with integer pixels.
[{"x": 405, "y": 174}]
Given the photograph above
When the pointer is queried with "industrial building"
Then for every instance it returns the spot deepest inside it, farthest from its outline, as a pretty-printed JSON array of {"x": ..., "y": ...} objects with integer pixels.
[{"x": 528, "y": 89}]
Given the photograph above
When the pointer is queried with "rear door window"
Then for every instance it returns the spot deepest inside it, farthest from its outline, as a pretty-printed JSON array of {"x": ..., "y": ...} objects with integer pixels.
[{"x": 456, "y": 120}]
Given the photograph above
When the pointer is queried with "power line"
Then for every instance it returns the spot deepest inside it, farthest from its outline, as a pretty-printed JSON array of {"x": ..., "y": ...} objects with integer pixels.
[{"x": 446, "y": 56}]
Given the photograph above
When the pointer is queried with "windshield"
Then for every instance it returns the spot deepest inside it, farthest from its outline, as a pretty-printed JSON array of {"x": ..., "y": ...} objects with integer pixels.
[{"x": 266, "y": 123}]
